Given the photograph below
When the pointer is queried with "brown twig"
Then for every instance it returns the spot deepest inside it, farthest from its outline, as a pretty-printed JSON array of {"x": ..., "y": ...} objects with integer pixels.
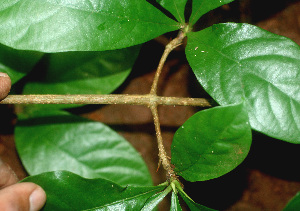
[
  {"x": 163, "y": 157},
  {"x": 171, "y": 46},
  {"x": 145, "y": 100}
]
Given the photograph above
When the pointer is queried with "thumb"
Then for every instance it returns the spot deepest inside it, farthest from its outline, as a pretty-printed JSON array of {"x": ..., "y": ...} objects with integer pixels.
[
  {"x": 5, "y": 84},
  {"x": 22, "y": 196}
]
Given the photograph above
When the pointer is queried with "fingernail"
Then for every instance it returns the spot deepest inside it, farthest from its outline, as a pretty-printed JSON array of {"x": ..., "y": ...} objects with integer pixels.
[
  {"x": 3, "y": 74},
  {"x": 37, "y": 199}
]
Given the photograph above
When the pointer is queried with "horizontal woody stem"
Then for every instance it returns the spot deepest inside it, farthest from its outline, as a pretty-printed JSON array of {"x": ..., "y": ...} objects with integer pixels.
[{"x": 145, "y": 100}]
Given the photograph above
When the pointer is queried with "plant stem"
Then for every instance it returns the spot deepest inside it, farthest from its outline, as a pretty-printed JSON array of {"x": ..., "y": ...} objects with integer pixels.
[
  {"x": 169, "y": 47},
  {"x": 151, "y": 100},
  {"x": 145, "y": 100},
  {"x": 163, "y": 157}
]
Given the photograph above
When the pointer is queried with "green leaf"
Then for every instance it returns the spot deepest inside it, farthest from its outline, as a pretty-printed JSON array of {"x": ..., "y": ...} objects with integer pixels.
[
  {"x": 191, "y": 204},
  {"x": 67, "y": 191},
  {"x": 84, "y": 73},
  {"x": 50, "y": 141},
  {"x": 194, "y": 206},
  {"x": 211, "y": 143},
  {"x": 17, "y": 63},
  {"x": 201, "y": 7},
  {"x": 176, "y": 7},
  {"x": 240, "y": 61},
  {"x": 293, "y": 204},
  {"x": 175, "y": 206},
  {"x": 81, "y": 25},
  {"x": 154, "y": 200}
]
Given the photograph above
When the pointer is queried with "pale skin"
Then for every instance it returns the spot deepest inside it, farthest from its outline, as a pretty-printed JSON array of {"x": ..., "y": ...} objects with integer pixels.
[{"x": 16, "y": 196}]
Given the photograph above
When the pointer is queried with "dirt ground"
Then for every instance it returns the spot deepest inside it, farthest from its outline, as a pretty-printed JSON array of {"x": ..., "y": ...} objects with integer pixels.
[{"x": 266, "y": 180}]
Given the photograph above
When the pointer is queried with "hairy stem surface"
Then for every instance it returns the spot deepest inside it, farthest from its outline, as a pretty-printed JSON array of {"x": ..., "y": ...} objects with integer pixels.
[
  {"x": 163, "y": 157},
  {"x": 169, "y": 47},
  {"x": 145, "y": 100}
]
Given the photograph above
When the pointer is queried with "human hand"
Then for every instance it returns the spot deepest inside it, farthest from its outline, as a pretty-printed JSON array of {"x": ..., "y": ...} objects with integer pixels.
[{"x": 21, "y": 196}]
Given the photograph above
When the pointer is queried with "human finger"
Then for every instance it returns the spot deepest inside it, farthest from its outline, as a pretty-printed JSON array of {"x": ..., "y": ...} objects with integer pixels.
[
  {"x": 25, "y": 196},
  {"x": 5, "y": 85}
]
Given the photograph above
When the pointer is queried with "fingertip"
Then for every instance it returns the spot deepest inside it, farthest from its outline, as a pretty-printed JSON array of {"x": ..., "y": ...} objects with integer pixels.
[
  {"x": 3, "y": 74},
  {"x": 5, "y": 85},
  {"x": 37, "y": 199},
  {"x": 22, "y": 196}
]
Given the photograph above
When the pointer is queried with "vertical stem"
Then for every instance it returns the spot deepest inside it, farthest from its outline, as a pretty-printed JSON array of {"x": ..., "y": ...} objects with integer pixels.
[
  {"x": 163, "y": 157},
  {"x": 171, "y": 46},
  {"x": 162, "y": 61}
]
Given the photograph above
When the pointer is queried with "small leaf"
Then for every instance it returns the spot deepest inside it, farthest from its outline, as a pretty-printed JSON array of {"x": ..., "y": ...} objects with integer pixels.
[
  {"x": 201, "y": 7},
  {"x": 211, "y": 143},
  {"x": 154, "y": 200},
  {"x": 68, "y": 191},
  {"x": 294, "y": 203},
  {"x": 97, "y": 25},
  {"x": 176, "y": 7},
  {"x": 50, "y": 141},
  {"x": 240, "y": 61},
  {"x": 191, "y": 204},
  {"x": 17, "y": 63},
  {"x": 84, "y": 73},
  {"x": 175, "y": 206}
]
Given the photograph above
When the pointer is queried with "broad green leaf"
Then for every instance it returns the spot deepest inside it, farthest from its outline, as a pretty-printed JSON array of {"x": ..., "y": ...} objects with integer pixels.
[
  {"x": 294, "y": 204},
  {"x": 57, "y": 140},
  {"x": 17, "y": 63},
  {"x": 84, "y": 73},
  {"x": 80, "y": 25},
  {"x": 176, "y": 7},
  {"x": 240, "y": 61},
  {"x": 201, "y": 7},
  {"x": 68, "y": 191},
  {"x": 191, "y": 204},
  {"x": 175, "y": 206},
  {"x": 211, "y": 143}
]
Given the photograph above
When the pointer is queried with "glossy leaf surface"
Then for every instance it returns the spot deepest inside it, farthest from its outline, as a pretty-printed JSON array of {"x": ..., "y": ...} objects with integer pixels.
[
  {"x": 201, "y": 7},
  {"x": 175, "y": 206},
  {"x": 176, "y": 7},
  {"x": 60, "y": 141},
  {"x": 80, "y": 25},
  {"x": 240, "y": 61},
  {"x": 17, "y": 63},
  {"x": 84, "y": 72},
  {"x": 294, "y": 204},
  {"x": 67, "y": 191},
  {"x": 154, "y": 200},
  {"x": 211, "y": 143}
]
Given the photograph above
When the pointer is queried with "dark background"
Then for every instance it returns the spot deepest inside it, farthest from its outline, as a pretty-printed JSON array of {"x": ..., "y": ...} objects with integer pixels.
[{"x": 266, "y": 180}]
